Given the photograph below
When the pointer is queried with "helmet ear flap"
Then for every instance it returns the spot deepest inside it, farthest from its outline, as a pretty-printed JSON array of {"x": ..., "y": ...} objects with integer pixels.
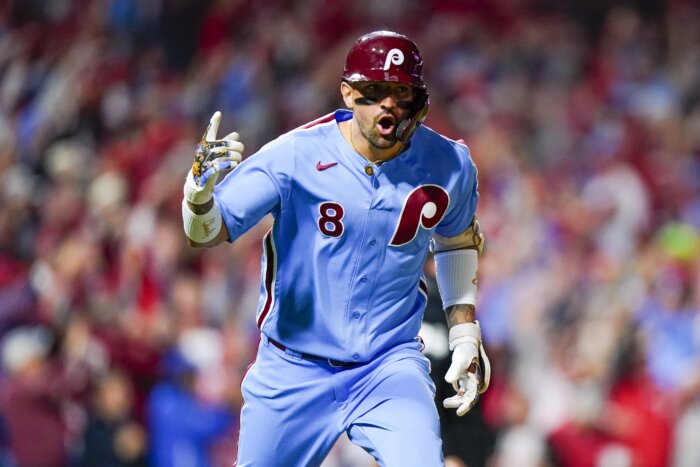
[{"x": 407, "y": 126}]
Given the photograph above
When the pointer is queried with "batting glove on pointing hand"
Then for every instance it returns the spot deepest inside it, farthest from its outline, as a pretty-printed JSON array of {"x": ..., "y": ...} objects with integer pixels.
[
  {"x": 465, "y": 371},
  {"x": 212, "y": 158}
]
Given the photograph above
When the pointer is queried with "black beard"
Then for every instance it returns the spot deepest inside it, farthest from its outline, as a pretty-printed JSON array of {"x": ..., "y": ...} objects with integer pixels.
[{"x": 379, "y": 141}]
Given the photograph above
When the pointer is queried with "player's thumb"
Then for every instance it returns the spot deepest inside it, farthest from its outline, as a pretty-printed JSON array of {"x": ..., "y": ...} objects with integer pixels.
[{"x": 453, "y": 372}]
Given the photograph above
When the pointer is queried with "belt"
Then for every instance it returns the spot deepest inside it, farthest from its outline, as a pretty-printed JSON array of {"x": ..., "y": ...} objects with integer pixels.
[{"x": 308, "y": 356}]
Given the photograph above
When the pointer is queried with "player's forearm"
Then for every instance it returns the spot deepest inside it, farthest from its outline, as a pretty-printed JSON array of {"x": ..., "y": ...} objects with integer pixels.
[
  {"x": 458, "y": 314},
  {"x": 203, "y": 224},
  {"x": 221, "y": 237},
  {"x": 456, "y": 263}
]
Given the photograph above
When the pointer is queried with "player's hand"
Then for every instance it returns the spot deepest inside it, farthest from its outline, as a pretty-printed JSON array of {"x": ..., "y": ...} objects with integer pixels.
[
  {"x": 212, "y": 158},
  {"x": 465, "y": 372}
]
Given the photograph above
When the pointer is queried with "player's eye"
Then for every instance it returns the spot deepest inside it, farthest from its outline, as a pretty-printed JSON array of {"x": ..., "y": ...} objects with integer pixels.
[
  {"x": 379, "y": 91},
  {"x": 403, "y": 92}
]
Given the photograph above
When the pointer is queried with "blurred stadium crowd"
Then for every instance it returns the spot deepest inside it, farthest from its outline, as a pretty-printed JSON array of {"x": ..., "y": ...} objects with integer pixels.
[{"x": 122, "y": 346}]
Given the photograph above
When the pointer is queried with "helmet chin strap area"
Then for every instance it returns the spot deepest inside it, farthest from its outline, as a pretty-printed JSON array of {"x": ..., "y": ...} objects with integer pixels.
[
  {"x": 401, "y": 130},
  {"x": 408, "y": 125}
]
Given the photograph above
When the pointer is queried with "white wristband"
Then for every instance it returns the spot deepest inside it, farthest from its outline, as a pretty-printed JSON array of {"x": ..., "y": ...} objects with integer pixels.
[
  {"x": 456, "y": 276},
  {"x": 465, "y": 332},
  {"x": 201, "y": 228}
]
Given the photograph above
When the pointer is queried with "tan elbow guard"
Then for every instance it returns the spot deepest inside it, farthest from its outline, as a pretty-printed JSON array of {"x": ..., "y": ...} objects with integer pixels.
[{"x": 471, "y": 239}]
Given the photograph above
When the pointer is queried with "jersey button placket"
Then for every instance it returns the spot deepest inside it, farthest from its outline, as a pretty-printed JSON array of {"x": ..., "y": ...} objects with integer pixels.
[{"x": 356, "y": 315}]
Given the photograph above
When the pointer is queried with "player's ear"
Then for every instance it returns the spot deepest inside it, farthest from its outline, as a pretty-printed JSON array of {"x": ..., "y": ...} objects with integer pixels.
[{"x": 346, "y": 92}]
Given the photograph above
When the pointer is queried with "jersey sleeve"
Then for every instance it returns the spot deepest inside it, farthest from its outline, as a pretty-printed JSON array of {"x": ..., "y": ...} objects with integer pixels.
[
  {"x": 258, "y": 186},
  {"x": 463, "y": 198}
]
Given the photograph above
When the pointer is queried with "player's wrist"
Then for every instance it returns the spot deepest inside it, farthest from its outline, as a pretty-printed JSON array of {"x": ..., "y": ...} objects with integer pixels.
[
  {"x": 204, "y": 227},
  {"x": 460, "y": 313},
  {"x": 195, "y": 194},
  {"x": 201, "y": 208},
  {"x": 465, "y": 333}
]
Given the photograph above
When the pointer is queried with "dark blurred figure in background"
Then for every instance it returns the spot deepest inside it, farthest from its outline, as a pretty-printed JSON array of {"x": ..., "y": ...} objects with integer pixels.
[{"x": 112, "y": 437}]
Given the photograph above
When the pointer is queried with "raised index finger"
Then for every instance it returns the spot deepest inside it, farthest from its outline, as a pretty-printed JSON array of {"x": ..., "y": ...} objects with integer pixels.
[{"x": 213, "y": 127}]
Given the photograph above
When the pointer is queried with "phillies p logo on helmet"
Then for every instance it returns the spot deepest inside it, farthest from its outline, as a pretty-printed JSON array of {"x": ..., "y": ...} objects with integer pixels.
[{"x": 394, "y": 56}]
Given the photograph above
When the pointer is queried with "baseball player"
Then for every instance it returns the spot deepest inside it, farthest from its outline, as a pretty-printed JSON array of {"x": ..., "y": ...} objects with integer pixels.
[{"x": 358, "y": 197}]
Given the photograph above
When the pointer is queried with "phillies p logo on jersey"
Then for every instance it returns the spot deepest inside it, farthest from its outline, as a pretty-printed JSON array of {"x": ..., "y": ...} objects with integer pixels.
[{"x": 424, "y": 207}]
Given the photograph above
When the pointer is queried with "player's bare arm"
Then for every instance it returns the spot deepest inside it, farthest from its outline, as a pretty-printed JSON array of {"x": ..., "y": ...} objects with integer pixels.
[
  {"x": 456, "y": 261},
  {"x": 459, "y": 314},
  {"x": 201, "y": 217}
]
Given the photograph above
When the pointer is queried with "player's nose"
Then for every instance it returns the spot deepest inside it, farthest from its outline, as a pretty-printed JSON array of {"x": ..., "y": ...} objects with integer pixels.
[{"x": 388, "y": 101}]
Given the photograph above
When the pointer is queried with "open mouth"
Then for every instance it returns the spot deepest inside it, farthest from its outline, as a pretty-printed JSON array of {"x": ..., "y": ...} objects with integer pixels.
[{"x": 386, "y": 125}]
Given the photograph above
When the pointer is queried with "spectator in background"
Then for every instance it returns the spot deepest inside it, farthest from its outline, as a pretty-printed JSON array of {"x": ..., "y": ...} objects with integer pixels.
[
  {"x": 112, "y": 437},
  {"x": 33, "y": 398},
  {"x": 186, "y": 412}
]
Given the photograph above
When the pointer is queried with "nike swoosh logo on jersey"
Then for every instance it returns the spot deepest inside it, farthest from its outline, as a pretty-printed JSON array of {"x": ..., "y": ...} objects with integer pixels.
[{"x": 321, "y": 167}]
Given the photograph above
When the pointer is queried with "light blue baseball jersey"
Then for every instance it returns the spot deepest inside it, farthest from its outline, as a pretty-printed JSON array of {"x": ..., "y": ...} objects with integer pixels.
[{"x": 342, "y": 264}]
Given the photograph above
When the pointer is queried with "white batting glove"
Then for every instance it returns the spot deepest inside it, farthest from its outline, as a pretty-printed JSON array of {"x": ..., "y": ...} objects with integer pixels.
[
  {"x": 212, "y": 158},
  {"x": 465, "y": 372}
]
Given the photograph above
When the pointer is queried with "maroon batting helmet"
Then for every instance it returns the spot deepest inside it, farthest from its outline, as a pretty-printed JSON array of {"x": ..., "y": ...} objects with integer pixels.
[
  {"x": 384, "y": 56},
  {"x": 390, "y": 57}
]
